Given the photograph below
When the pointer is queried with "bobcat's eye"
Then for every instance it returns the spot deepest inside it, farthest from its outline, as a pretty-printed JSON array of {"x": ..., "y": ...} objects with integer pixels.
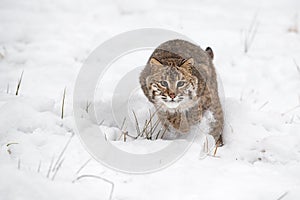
[
  {"x": 180, "y": 83},
  {"x": 164, "y": 83}
]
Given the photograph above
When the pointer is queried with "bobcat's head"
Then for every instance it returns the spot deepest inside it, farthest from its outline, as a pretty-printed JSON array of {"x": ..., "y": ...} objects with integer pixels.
[{"x": 173, "y": 86}]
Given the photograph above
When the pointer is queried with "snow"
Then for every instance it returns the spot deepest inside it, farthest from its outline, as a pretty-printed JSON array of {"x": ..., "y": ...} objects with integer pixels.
[{"x": 50, "y": 40}]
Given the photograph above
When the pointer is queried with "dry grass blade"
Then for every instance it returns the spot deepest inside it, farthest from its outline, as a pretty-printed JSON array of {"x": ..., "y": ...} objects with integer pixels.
[
  {"x": 282, "y": 196},
  {"x": 144, "y": 133},
  {"x": 62, "y": 152},
  {"x": 58, "y": 167},
  {"x": 50, "y": 167},
  {"x": 120, "y": 136},
  {"x": 63, "y": 104},
  {"x": 132, "y": 137},
  {"x": 292, "y": 119},
  {"x": 123, "y": 124},
  {"x": 98, "y": 177},
  {"x": 11, "y": 143},
  {"x": 19, "y": 83},
  {"x": 163, "y": 134},
  {"x": 121, "y": 128},
  {"x": 157, "y": 134},
  {"x": 137, "y": 125},
  {"x": 39, "y": 167},
  {"x": 151, "y": 126},
  {"x": 250, "y": 34},
  {"x": 83, "y": 166},
  {"x": 88, "y": 104},
  {"x": 231, "y": 128},
  {"x": 105, "y": 137},
  {"x": 215, "y": 152},
  {"x": 124, "y": 136},
  {"x": 148, "y": 130},
  {"x": 19, "y": 164},
  {"x": 153, "y": 129},
  {"x": 290, "y": 110},
  {"x": 150, "y": 121},
  {"x": 295, "y": 27},
  {"x": 297, "y": 66},
  {"x": 206, "y": 145},
  {"x": 101, "y": 122},
  {"x": 218, "y": 144},
  {"x": 261, "y": 107}
]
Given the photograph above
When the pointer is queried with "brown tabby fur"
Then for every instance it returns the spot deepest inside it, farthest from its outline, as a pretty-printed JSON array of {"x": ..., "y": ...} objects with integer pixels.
[{"x": 197, "y": 69}]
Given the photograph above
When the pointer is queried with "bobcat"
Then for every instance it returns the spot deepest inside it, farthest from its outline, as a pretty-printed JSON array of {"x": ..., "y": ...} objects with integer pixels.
[{"x": 180, "y": 80}]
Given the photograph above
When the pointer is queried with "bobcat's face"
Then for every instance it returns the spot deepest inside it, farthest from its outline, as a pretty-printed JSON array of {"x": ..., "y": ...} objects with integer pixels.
[{"x": 172, "y": 87}]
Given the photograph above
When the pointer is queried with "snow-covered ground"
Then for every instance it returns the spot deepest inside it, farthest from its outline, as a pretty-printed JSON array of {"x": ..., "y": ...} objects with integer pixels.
[{"x": 49, "y": 41}]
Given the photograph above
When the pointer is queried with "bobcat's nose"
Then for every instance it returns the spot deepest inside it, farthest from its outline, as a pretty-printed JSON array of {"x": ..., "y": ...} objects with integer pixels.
[{"x": 172, "y": 95}]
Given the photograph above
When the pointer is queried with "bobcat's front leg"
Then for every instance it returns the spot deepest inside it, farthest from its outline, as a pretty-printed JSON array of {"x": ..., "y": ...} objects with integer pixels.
[{"x": 218, "y": 123}]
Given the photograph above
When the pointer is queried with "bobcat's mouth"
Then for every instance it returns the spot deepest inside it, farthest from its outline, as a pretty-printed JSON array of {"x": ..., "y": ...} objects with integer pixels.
[{"x": 171, "y": 103}]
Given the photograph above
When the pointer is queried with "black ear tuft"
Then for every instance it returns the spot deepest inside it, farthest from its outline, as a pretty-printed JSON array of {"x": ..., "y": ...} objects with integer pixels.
[{"x": 210, "y": 52}]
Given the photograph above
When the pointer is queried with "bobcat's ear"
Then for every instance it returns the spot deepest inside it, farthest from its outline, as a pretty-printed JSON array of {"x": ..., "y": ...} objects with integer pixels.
[
  {"x": 155, "y": 62},
  {"x": 210, "y": 52},
  {"x": 187, "y": 64}
]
